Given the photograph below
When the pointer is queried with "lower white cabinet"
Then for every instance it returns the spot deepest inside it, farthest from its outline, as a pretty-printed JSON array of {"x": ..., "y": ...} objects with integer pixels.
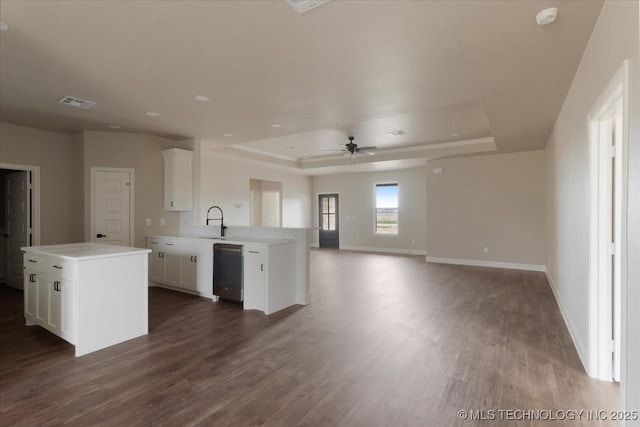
[
  {"x": 92, "y": 295},
  {"x": 255, "y": 277},
  {"x": 176, "y": 263},
  {"x": 49, "y": 300},
  {"x": 269, "y": 280}
]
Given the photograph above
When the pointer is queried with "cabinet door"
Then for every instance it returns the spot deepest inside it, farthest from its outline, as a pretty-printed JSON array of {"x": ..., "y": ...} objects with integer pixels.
[
  {"x": 171, "y": 268},
  {"x": 42, "y": 299},
  {"x": 54, "y": 319},
  {"x": 177, "y": 180},
  {"x": 61, "y": 308},
  {"x": 67, "y": 297},
  {"x": 189, "y": 272},
  {"x": 156, "y": 266},
  {"x": 255, "y": 278},
  {"x": 30, "y": 292}
]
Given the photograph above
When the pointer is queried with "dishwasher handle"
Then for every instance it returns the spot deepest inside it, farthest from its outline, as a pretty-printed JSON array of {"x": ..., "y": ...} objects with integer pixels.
[{"x": 226, "y": 248}]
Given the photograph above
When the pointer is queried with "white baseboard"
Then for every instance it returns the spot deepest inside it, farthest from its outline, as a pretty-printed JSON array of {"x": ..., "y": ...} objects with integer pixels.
[
  {"x": 481, "y": 263},
  {"x": 383, "y": 250},
  {"x": 580, "y": 349}
]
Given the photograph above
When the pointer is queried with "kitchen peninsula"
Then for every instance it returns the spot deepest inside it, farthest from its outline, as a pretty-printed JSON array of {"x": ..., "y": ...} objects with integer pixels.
[
  {"x": 275, "y": 264},
  {"x": 92, "y": 295}
]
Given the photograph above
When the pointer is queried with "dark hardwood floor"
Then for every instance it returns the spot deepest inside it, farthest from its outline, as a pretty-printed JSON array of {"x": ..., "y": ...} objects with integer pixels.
[{"x": 386, "y": 341}]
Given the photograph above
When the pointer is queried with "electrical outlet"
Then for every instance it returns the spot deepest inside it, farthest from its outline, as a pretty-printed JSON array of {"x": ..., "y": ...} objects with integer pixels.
[
  {"x": 486, "y": 249},
  {"x": 161, "y": 221},
  {"x": 147, "y": 221}
]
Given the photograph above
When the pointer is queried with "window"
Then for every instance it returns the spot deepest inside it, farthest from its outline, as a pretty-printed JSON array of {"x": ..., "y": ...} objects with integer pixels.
[
  {"x": 386, "y": 208},
  {"x": 328, "y": 212}
]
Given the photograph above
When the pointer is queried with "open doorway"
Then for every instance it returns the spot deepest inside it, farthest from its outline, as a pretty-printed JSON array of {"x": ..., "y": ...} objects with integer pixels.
[
  {"x": 266, "y": 203},
  {"x": 19, "y": 219},
  {"x": 608, "y": 170}
]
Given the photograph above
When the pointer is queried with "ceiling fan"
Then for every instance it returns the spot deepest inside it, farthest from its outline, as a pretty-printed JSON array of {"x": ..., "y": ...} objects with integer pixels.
[{"x": 352, "y": 150}]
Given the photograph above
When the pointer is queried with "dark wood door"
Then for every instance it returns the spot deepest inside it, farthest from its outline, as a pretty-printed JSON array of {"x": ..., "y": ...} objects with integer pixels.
[{"x": 328, "y": 206}]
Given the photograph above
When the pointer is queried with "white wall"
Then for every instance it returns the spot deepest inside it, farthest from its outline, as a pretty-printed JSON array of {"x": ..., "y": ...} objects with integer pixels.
[
  {"x": 357, "y": 209},
  {"x": 224, "y": 181},
  {"x": 494, "y": 201},
  {"x": 614, "y": 39},
  {"x": 53, "y": 152},
  {"x": 143, "y": 153}
]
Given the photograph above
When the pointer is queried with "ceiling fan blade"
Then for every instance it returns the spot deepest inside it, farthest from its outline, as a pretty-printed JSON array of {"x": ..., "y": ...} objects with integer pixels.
[{"x": 367, "y": 148}]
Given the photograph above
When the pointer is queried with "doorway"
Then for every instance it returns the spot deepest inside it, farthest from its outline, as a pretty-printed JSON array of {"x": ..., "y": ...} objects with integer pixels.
[
  {"x": 266, "y": 203},
  {"x": 608, "y": 182},
  {"x": 20, "y": 218},
  {"x": 329, "y": 209},
  {"x": 112, "y": 206}
]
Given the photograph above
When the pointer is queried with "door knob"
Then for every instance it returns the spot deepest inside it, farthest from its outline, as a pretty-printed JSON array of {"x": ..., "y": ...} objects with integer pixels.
[{"x": 99, "y": 235}]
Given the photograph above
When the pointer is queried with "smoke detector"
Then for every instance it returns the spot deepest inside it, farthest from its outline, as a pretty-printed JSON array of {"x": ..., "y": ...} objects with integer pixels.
[
  {"x": 547, "y": 16},
  {"x": 302, "y": 6},
  {"x": 77, "y": 102}
]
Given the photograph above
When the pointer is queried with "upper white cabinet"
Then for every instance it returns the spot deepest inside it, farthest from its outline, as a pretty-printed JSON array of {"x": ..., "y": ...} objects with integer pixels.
[{"x": 177, "y": 179}]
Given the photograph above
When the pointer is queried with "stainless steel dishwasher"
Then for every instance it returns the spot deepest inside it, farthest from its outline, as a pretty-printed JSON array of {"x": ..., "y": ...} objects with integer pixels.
[{"x": 227, "y": 272}]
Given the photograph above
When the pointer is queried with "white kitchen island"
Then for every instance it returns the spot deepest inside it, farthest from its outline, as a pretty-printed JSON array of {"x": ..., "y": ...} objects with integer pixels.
[{"x": 90, "y": 294}]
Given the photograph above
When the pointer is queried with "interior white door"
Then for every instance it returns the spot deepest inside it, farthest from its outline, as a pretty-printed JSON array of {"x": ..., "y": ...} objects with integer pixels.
[
  {"x": 112, "y": 222},
  {"x": 17, "y": 229},
  {"x": 271, "y": 209}
]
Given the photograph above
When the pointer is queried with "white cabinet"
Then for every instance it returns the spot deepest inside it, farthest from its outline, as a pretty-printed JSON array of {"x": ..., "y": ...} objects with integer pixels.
[
  {"x": 171, "y": 268},
  {"x": 189, "y": 271},
  {"x": 92, "y": 295},
  {"x": 177, "y": 179},
  {"x": 269, "y": 279},
  {"x": 255, "y": 277},
  {"x": 49, "y": 297},
  {"x": 156, "y": 263},
  {"x": 175, "y": 263}
]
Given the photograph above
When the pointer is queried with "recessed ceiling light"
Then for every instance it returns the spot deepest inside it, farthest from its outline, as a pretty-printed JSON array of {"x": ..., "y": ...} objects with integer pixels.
[
  {"x": 291, "y": 147},
  {"x": 397, "y": 132},
  {"x": 276, "y": 125},
  {"x": 547, "y": 16},
  {"x": 152, "y": 114},
  {"x": 228, "y": 135},
  {"x": 455, "y": 134},
  {"x": 114, "y": 126},
  {"x": 3, "y": 26},
  {"x": 202, "y": 98}
]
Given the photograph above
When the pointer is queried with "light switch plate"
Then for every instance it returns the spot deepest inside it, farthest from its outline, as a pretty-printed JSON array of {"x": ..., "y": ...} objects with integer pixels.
[
  {"x": 161, "y": 221},
  {"x": 147, "y": 221}
]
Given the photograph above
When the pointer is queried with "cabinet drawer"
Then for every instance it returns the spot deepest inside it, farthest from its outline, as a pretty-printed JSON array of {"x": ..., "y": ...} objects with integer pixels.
[
  {"x": 254, "y": 254},
  {"x": 36, "y": 263},
  {"x": 60, "y": 268}
]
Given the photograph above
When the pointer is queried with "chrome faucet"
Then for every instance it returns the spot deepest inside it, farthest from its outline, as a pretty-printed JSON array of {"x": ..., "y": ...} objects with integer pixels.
[{"x": 221, "y": 219}]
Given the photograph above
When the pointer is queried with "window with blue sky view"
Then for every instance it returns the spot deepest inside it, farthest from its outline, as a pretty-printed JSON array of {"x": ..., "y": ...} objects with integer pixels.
[{"x": 386, "y": 208}]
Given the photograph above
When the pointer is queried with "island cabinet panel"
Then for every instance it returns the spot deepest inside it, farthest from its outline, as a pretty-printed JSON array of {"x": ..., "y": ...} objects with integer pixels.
[{"x": 92, "y": 295}]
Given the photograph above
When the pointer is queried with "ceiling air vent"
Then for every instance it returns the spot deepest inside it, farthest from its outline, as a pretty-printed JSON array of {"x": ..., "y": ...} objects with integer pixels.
[
  {"x": 302, "y": 6},
  {"x": 77, "y": 102}
]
